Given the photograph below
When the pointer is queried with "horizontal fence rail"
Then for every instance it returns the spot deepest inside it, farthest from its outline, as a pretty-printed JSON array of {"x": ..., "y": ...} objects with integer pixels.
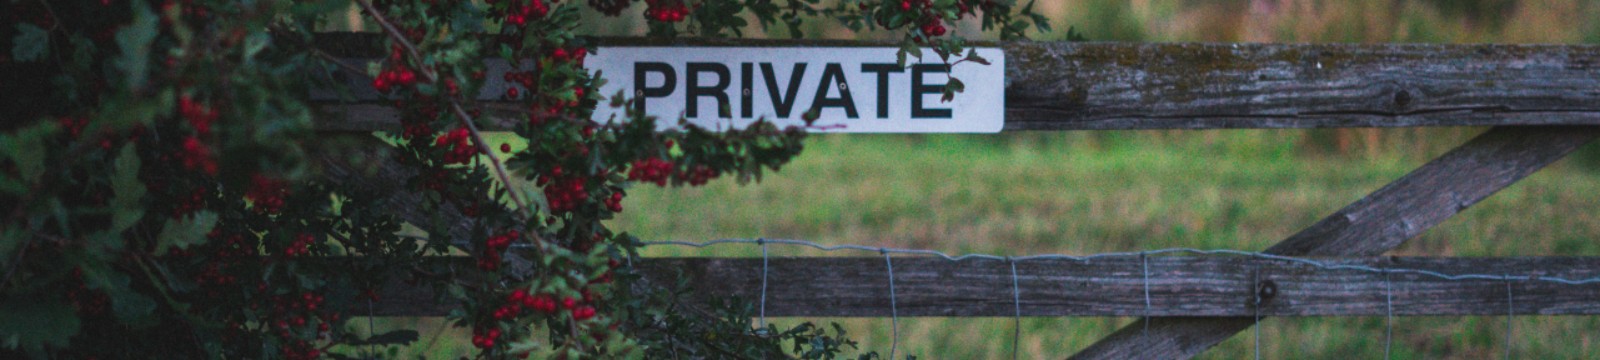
[
  {"x": 1068, "y": 86},
  {"x": 1187, "y": 286}
]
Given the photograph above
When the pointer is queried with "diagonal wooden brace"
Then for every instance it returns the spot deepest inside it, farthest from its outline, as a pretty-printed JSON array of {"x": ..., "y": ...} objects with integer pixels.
[{"x": 1371, "y": 226}]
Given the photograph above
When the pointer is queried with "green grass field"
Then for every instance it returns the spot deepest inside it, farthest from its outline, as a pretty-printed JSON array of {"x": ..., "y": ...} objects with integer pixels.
[{"x": 1083, "y": 192}]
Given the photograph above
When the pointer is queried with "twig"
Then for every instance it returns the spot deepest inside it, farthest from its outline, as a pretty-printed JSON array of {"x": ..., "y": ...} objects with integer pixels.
[
  {"x": 17, "y": 260},
  {"x": 325, "y": 56}
]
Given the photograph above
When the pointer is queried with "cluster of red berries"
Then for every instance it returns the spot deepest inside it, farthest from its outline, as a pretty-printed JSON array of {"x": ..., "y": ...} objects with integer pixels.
[
  {"x": 651, "y": 170},
  {"x": 74, "y": 126},
  {"x": 390, "y": 78},
  {"x": 85, "y": 301},
  {"x": 293, "y": 315},
  {"x": 308, "y": 302},
  {"x": 484, "y": 338},
  {"x": 522, "y": 12},
  {"x": 416, "y": 129},
  {"x": 458, "y": 147},
  {"x": 699, "y": 175},
  {"x": 493, "y": 247},
  {"x": 565, "y": 193},
  {"x": 190, "y": 204},
  {"x": 580, "y": 311},
  {"x": 300, "y": 246},
  {"x": 542, "y": 303},
  {"x": 519, "y": 300},
  {"x": 417, "y": 115},
  {"x": 933, "y": 27},
  {"x": 583, "y": 312},
  {"x": 525, "y": 78},
  {"x": 197, "y": 156},
  {"x": 614, "y": 202},
  {"x": 435, "y": 180},
  {"x": 198, "y": 115},
  {"x": 216, "y": 271},
  {"x": 301, "y": 350},
  {"x": 666, "y": 10},
  {"x": 266, "y": 194},
  {"x": 212, "y": 275},
  {"x": 188, "y": 9},
  {"x": 563, "y": 55}
]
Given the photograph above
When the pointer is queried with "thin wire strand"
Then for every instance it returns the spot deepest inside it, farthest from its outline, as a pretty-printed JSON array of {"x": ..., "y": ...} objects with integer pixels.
[
  {"x": 1016, "y": 302},
  {"x": 1145, "y": 263},
  {"x": 894, "y": 311},
  {"x": 1086, "y": 258},
  {"x": 1388, "y": 320},
  {"x": 763, "y": 323},
  {"x": 1510, "y": 314}
]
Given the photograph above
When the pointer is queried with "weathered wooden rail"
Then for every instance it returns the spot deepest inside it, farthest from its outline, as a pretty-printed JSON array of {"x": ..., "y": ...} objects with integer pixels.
[
  {"x": 1542, "y": 100},
  {"x": 1104, "y": 86},
  {"x": 1183, "y": 286}
]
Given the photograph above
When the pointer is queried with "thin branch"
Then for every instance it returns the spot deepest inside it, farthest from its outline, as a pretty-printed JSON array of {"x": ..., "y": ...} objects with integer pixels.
[
  {"x": 325, "y": 56},
  {"x": 22, "y": 251},
  {"x": 461, "y": 113}
]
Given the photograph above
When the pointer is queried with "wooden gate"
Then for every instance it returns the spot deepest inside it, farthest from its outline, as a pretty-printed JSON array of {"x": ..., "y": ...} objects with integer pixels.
[{"x": 1542, "y": 103}]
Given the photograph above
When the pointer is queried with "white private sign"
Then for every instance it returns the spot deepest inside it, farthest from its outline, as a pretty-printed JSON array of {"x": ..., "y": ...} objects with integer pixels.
[{"x": 718, "y": 87}]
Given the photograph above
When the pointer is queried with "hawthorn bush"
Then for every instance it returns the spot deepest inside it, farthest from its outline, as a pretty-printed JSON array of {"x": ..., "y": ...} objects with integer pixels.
[{"x": 163, "y": 196}]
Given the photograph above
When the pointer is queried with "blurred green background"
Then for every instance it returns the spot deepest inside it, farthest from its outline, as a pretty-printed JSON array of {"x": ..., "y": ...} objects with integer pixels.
[{"x": 1089, "y": 192}]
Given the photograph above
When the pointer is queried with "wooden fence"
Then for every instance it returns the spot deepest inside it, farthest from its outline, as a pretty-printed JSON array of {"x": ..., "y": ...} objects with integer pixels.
[{"x": 1543, "y": 102}]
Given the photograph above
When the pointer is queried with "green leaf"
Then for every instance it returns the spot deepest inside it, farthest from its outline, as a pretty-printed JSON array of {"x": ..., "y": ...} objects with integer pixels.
[
  {"x": 134, "y": 40},
  {"x": 33, "y": 325},
  {"x": 255, "y": 42},
  {"x": 951, "y": 88},
  {"x": 31, "y": 44},
  {"x": 10, "y": 240},
  {"x": 132, "y": 308},
  {"x": 186, "y": 231},
  {"x": 26, "y": 149},
  {"x": 126, "y": 190},
  {"x": 972, "y": 55}
]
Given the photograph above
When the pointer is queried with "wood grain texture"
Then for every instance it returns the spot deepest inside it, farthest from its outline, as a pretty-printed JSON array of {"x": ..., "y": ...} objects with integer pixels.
[
  {"x": 1179, "y": 286},
  {"x": 1182, "y": 286},
  {"x": 1375, "y": 224},
  {"x": 1075, "y": 86}
]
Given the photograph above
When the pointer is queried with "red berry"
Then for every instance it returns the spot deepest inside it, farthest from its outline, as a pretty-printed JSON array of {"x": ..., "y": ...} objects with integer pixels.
[{"x": 583, "y": 313}]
